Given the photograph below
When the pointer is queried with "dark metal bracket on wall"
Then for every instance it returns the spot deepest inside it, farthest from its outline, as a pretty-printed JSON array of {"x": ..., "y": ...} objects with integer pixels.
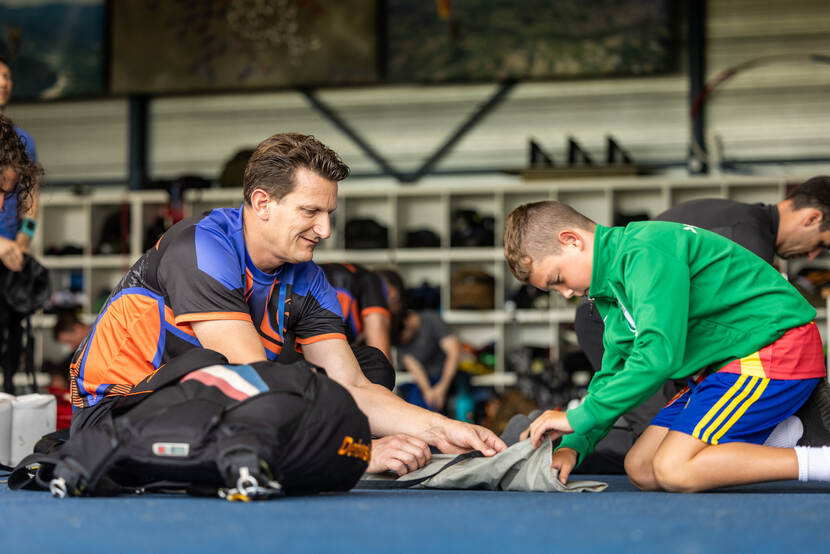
[
  {"x": 479, "y": 114},
  {"x": 138, "y": 140},
  {"x": 697, "y": 80}
]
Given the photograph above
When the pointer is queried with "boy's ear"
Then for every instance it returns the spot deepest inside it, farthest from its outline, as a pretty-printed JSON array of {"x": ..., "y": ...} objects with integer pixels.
[{"x": 568, "y": 237}]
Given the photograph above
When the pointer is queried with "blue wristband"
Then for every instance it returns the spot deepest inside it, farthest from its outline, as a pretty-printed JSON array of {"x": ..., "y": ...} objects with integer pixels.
[{"x": 28, "y": 226}]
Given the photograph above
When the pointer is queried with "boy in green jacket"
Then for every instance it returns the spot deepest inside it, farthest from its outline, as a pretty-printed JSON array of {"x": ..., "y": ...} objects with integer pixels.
[{"x": 678, "y": 302}]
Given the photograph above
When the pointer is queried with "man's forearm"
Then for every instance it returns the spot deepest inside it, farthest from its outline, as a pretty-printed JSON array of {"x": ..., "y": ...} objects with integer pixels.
[{"x": 389, "y": 414}]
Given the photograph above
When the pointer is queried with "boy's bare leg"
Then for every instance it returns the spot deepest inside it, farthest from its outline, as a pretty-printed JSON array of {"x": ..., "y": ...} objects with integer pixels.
[
  {"x": 639, "y": 462},
  {"x": 683, "y": 463}
]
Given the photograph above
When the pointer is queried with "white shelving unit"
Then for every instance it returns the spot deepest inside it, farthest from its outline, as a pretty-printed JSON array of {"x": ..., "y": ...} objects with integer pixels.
[
  {"x": 431, "y": 204},
  {"x": 76, "y": 221},
  {"x": 67, "y": 218}
]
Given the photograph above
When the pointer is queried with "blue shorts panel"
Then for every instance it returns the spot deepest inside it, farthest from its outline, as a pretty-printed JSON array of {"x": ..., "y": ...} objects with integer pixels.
[{"x": 728, "y": 407}]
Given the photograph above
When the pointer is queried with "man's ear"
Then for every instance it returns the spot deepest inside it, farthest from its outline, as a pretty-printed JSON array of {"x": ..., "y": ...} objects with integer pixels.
[
  {"x": 570, "y": 237},
  {"x": 812, "y": 217},
  {"x": 261, "y": 203}
]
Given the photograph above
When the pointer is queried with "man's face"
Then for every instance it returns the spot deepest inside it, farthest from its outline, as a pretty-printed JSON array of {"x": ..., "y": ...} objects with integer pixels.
[
  {"x": 806, "y": 239},
  {"x": 5, "y": 85},
  {"x": 568, "y": 272},
  {"x": 299, "y": 221}
]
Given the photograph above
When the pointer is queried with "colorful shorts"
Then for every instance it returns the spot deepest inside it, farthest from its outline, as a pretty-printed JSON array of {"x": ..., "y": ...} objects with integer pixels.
[{"x": 729, "y": 407}]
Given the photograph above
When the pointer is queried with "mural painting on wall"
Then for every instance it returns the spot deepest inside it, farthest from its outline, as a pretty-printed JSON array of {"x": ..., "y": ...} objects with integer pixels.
[
  {"x": 54, "y": 47},
  {"x": 460, "y": 40},
  {"x": 181, "y": 45}
]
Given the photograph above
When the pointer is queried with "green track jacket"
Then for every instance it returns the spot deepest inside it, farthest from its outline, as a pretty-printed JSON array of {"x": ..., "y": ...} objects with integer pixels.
[{"x": 675, "y": 299}]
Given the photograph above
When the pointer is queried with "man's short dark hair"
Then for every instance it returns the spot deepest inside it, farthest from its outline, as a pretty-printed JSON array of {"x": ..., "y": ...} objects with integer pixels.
[
  {"x": 66, "y": 322},
  {"x": 13, "y": 154},
  {"x": 276, "y": 159},
  {"x": 813, "y": 193}
]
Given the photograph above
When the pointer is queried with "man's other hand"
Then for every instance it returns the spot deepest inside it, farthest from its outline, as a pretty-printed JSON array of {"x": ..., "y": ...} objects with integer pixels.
[
  {"x": 455, "y": 437},
  {"x": 400, "y": 453}
]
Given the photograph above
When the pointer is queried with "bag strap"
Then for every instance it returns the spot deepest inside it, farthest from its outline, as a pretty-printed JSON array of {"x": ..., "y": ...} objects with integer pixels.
[{"x": 84, "y": 462}]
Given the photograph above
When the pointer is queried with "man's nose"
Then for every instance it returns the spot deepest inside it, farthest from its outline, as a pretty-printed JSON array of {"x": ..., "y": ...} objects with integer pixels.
[{"x": 322, "y": 226}]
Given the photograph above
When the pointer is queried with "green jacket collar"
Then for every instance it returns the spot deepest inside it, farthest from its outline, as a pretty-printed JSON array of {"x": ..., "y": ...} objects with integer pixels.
[{"x": 606, "y": 243}]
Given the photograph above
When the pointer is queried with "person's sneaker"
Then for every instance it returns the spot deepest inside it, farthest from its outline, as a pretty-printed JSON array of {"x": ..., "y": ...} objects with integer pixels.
[{"x": 815, "y": 416}]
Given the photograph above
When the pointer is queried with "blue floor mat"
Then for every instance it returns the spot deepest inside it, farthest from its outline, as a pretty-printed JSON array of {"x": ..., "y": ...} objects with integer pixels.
[{"x": 772, "y": 517}]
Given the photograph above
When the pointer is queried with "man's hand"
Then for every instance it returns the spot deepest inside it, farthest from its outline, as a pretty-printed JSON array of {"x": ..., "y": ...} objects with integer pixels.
[
  {"x": 435, "y": 397},
  {"x": 11, "y": 254},
  {"x": 553, "y": 421},
  {"x": 430, "y": 398},
  {"x": 455, "y": 437},
  {"x": 439, "y": 395},
  {"x": 564, "y": 460},
  {"x": 400, "y": 453}
]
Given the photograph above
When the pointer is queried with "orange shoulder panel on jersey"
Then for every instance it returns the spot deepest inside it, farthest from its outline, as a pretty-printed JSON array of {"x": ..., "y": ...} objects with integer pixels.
[
  {"x": 318, "y": 338},
  {"x": 375, "y": 310},
  {"x": 213, "y": 316}
]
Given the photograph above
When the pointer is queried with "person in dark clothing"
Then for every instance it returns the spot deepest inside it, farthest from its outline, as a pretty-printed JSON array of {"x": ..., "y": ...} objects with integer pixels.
[
  {"x": 370, "y": 303},
  {"x": 19, "y": 179},
  {"x": 798, "y": 226}
]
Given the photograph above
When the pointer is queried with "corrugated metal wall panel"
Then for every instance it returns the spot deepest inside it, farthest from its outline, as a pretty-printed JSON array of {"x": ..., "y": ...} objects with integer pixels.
[
  {"x": 78, "y": 141},
  {"x": 776, "y": 110},
  {"x": 781, "y": 108}
]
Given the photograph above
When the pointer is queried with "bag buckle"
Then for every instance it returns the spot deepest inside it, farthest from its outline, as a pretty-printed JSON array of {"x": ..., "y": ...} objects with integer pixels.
[
  {"x": 248, "y": 488},
  {"x": 57, "y": 487}
]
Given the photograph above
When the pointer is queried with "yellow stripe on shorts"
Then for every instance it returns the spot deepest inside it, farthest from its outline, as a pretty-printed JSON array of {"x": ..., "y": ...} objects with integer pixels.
[
  {"x": 714, "y": 409},
  {"x": 744, "y": 407},
  {"x": 730, "y": 408}
]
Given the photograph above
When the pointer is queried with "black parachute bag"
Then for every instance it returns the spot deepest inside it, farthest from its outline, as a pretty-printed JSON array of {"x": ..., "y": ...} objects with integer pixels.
[{"x": 203, "y": 426}]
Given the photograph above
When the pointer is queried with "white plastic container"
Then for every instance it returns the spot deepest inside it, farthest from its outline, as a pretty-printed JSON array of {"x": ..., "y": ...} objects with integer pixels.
[
  {"x": 6, "y": 401},
  {"x": 33, "y": 415}
]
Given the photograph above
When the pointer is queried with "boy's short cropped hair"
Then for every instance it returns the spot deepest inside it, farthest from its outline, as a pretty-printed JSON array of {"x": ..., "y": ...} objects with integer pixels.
[{"x": 532, "y": 230}]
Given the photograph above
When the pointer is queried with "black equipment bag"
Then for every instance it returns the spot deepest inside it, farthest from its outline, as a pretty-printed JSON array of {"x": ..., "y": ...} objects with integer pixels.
[{"x": 207, "y": 427}]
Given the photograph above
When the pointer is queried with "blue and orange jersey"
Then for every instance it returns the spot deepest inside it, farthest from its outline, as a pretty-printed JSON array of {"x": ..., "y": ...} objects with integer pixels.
[
  {"x": 199, "y": 270},
  {"x": 360, "y": 293}
]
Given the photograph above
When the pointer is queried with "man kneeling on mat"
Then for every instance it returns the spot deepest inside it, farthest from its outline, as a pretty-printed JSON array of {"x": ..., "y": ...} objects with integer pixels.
[
  {"x": 678, "y": 302},
  {"x": 242, "y": 282}
]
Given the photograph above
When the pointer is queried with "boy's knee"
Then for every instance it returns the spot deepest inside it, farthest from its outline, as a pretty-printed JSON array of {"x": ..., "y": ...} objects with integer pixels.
[
  {"x": 671, "y": 474},
  {"x": 639, "y": 471}
]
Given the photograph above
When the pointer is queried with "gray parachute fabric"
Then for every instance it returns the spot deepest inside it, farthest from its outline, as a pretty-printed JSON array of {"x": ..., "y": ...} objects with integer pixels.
[{"x": 518, "y": 468}]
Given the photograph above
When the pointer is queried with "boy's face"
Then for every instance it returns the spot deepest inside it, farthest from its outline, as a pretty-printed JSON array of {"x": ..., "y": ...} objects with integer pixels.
[{"x": 569, "y": 271}]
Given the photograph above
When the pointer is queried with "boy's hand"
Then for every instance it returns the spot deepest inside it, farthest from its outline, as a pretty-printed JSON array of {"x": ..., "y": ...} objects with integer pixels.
[
  {"x": 564, "y": 460},
  {"x": 552, "y": 421}
]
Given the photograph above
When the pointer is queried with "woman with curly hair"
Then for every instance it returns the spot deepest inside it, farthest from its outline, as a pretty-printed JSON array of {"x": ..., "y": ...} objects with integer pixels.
[{"x": 19, "y": 177}]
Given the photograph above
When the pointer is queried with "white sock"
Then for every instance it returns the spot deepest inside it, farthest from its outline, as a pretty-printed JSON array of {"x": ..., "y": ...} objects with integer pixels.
[
  {"x": 813, "y": 463},
  {"x": 786, "y": 433}
]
